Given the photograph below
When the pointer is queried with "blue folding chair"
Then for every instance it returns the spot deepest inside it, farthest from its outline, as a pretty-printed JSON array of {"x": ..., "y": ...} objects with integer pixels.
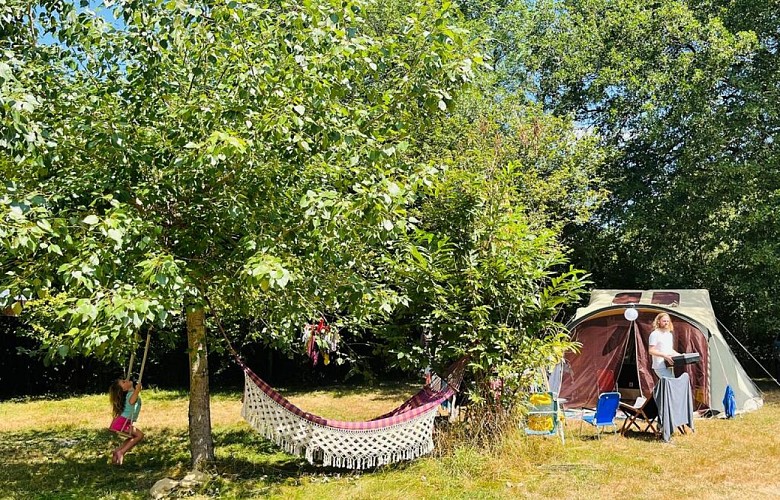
[
  {"x": 606, "y": 411},
  {"x": 544, "y": 416}
]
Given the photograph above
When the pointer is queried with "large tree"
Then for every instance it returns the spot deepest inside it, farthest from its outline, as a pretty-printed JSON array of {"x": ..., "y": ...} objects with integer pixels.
[
  {"x": 249, "y": 156},
  {"x": 487, "y": 273}
]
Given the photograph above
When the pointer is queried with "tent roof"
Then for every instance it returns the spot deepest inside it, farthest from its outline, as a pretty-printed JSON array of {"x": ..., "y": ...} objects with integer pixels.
[{"x": 693, "y": 304}]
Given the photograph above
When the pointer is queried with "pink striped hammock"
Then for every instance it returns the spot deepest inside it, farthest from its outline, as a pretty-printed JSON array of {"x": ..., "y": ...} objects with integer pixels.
[{"x": 404, "y": 433}]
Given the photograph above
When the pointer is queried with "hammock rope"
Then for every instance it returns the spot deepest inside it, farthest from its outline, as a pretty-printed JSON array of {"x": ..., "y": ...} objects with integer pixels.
[{"x": 404, "y": 433}]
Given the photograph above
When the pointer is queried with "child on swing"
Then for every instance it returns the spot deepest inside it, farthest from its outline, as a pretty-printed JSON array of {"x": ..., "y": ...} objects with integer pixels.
[{"x": 126, "y": 405}]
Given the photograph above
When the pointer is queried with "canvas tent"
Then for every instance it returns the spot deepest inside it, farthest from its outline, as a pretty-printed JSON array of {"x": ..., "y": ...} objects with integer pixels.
[{"x": 614, "y": 349}]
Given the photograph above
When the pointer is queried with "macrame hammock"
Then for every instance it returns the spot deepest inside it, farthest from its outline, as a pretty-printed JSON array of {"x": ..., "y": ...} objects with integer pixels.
[{"x": 404, "y": 433}]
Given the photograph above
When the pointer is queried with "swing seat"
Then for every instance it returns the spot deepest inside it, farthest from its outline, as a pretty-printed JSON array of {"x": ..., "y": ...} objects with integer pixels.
[{"x": 121, "y": 426}]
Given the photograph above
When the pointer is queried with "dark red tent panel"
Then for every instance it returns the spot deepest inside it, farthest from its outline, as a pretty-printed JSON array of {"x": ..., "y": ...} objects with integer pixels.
[{"x": 613, "y": 356}]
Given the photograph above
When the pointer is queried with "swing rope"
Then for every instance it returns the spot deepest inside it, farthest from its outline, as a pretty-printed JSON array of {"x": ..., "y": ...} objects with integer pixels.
[
  {"x": 129, "y": 371},
  {"x": 146, "y": 351}
]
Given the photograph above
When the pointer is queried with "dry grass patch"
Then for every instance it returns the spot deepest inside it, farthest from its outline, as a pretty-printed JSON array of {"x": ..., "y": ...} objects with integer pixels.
[
  {"x": 59, "y": 449},
  {"x": 169, "y": 409},
  {"x": 357, "y": 403}
]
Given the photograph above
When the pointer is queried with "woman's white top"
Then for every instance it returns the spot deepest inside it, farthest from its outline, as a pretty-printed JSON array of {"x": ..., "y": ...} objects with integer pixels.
[{"x": 663, "y": 342}]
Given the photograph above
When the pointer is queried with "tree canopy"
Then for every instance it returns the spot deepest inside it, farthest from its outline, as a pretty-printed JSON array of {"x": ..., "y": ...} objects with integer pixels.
[
  {"x": 217, "y": 149},
  {"x": 684, "y": 98}
]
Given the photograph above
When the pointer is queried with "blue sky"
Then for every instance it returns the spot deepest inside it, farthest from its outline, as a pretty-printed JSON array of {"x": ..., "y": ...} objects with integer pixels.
[{"x": 98, "y": 8}]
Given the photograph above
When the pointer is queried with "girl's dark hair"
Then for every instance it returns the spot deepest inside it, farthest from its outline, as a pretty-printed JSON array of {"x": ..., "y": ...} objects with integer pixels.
[{"x": 117, "y": 397}]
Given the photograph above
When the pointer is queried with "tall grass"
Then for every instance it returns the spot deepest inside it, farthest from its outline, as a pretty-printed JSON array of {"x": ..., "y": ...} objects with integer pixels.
[{"x": 59, "y": 449}]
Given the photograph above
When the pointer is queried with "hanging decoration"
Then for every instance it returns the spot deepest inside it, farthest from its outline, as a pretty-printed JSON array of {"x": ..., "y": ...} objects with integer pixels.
[{"x": 320, "y": 339}]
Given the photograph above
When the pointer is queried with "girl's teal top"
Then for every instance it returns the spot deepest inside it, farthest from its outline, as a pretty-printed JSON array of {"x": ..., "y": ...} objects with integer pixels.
[{"x": 131, "y": 411}]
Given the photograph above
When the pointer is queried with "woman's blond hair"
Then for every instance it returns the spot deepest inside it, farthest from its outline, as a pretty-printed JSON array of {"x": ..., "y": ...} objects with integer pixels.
[{"x": 658, "y": 318}]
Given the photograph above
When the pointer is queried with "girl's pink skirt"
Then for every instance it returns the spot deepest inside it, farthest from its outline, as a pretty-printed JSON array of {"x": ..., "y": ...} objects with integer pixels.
[{"x": 121, "y": 424}]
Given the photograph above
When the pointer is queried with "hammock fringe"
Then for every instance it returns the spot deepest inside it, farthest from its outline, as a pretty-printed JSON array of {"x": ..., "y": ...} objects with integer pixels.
[{"x": 403, "y": 435}]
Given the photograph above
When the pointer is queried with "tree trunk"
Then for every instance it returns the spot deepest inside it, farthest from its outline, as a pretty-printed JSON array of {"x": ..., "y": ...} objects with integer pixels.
[{"x": 201, "y": 442}]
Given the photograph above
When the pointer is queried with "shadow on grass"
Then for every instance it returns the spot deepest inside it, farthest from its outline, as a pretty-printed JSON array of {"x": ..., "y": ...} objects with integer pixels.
[
  {"x": 589, "y": 434},
  {"x": 68, "y": 463},
  {"x": 47, "y": 397},
  {"x": 240, "y": 449},
  {"x": 642, "y": 436}
]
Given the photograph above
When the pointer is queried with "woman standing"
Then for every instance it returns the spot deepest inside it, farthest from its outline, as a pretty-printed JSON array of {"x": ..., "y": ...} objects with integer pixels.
[{"x": 662, "y": 346}]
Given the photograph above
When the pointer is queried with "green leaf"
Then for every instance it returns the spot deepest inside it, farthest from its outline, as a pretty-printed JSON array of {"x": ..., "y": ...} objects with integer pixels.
[
  {"x": 44, "y": 224},
  {"x": 418, "y": 256},
  {"x": 5, "y": 71},
  {"x": 115, "y": 234}
]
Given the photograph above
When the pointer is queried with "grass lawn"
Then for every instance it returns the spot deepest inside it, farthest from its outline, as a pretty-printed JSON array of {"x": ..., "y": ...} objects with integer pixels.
[{"x": 60, "y": 449}]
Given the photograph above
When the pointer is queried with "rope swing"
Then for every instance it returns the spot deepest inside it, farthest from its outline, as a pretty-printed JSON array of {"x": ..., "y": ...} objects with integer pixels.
[
  {"x": 125, "y": 430},
  {"x": 129, "y": 371}
]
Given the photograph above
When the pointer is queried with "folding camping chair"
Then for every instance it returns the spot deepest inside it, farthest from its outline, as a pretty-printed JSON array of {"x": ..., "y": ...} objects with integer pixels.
[
  {"x": 544, "y": 416},
  {"x": 606, "y": 411},
  {"x": 644, "y": 411}
]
